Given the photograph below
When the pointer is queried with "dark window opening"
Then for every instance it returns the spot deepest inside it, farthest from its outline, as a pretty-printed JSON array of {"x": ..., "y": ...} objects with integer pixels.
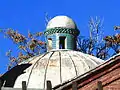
[
  {"x": 62, "y": 42},
  {"x": 49, "y": 38}
]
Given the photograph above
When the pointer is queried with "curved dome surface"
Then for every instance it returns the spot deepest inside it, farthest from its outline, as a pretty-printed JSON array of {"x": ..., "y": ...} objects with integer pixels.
[
  {"x": 61, "y": 21},
  {"x": 57, "y": 66}
]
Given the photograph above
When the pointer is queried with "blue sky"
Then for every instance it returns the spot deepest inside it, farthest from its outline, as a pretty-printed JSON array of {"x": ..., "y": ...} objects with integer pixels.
[{"x": 24, "y": 15}]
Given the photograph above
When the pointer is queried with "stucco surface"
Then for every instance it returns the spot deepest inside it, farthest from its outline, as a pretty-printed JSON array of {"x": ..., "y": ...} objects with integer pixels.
[
  {"x": 56, "y": 66},
  {"x": 61, "y": 21}
]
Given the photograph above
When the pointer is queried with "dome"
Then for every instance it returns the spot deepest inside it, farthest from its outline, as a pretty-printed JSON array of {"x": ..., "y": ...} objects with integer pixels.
[
  {"x": 57, "y": 66},
  {"x": 61, "y": 21},
  {"x": 61, "y": 24}
]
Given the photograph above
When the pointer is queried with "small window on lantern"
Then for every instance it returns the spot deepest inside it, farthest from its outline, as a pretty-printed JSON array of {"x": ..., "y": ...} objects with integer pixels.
[
  {"x": 62, "y": 42},
  {"x": 49, "y": 43}
]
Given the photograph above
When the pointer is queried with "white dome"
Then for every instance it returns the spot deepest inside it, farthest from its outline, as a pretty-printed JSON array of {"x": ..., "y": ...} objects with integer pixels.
[
  {"x": 57, "y": 66},
  {"x": 61, "y": 21}
]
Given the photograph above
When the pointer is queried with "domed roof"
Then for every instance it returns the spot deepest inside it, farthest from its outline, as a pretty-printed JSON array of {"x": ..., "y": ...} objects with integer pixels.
[
  {"x": 61, "y": 21},
  {"x": 56, "y": 66}
]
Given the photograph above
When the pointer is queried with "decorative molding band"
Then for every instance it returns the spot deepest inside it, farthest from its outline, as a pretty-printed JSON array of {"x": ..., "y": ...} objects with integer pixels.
[{"x": 74, "y": 32}]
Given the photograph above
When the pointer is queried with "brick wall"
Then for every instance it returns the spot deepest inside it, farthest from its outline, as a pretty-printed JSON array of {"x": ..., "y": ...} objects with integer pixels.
[{"x": 110, "y": 81}]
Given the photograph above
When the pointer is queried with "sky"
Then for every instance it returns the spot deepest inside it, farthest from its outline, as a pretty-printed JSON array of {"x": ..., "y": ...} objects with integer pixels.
[{"x": 24, "y": 15}]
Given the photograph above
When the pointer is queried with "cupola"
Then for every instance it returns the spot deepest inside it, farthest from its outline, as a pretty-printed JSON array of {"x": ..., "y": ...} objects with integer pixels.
[{"x": 61, "y": 33}]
